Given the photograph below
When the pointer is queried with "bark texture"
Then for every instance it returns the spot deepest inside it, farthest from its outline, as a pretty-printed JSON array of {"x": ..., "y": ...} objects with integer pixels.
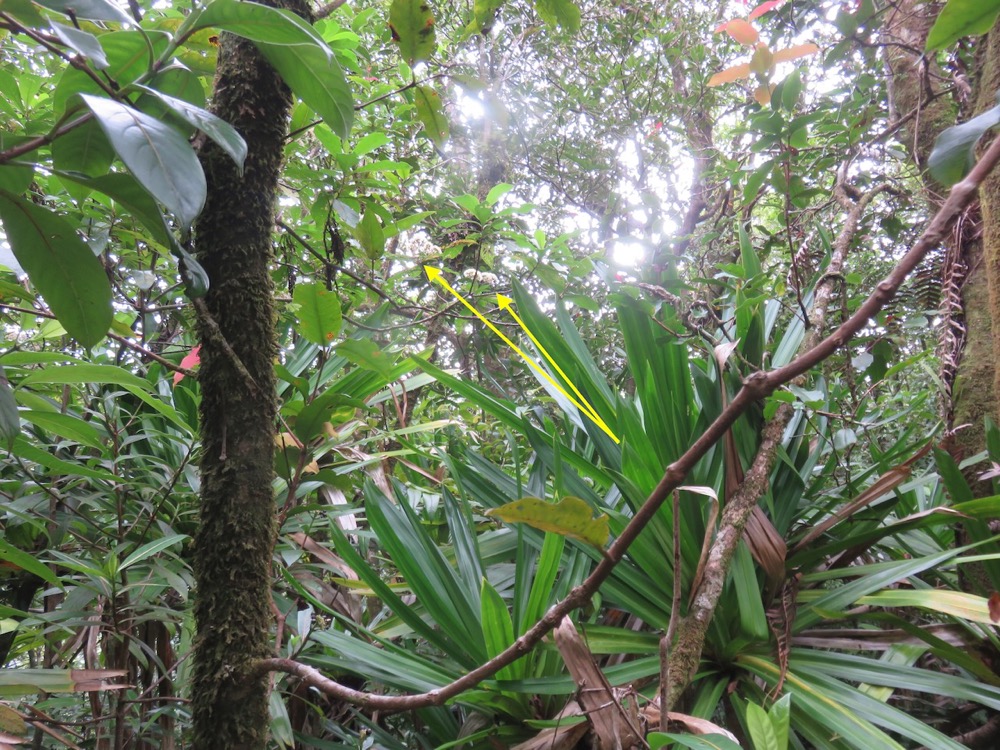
[{"x": 236, "y": 326}]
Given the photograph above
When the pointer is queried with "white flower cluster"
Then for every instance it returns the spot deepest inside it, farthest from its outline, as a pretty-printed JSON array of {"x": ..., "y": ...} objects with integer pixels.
[
  {"x": 421, "y": 247},
  {"x": 483, "y": 277}
]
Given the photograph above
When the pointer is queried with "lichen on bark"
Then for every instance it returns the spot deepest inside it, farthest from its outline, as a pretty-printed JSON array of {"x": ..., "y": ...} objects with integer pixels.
[{"x": 236, "y": 533}]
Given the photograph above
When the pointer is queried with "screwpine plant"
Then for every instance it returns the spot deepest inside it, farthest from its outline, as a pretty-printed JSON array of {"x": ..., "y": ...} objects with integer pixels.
[{"x": 266, "y": 484}]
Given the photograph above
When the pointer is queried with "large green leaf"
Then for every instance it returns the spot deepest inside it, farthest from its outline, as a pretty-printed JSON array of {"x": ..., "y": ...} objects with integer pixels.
[
  {"x": 92, "y": 10},
  {"x": 319, "y": 313},
  {"x": 430, "y": 112},
  {"x": 962, "y": 18},
  {"x": 315, "y": 76},
  {"x": 562, "y": 13},
  {"x": 953, "y": 153},
  {"x": 85, "y": 150},
  {"x": 158, "y": 156},
  {"x": 258, "y": 23},
  {"x": 216, "y": 128},
  {"x": 62, "y": 267},
  {"x": 83, "y": 372},
  {"x": 412, "y": 25}
]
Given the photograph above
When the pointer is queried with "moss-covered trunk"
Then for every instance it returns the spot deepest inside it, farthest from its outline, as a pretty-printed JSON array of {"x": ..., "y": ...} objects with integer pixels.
[{"x": 236, "y": 326}]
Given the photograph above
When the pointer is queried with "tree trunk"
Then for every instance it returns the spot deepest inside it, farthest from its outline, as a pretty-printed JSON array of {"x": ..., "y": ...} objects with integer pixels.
[{"x": 236, "y": 326}]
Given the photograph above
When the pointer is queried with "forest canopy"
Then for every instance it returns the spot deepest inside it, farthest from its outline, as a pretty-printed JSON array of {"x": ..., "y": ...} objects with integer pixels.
[{"x": 549, "y": 374}]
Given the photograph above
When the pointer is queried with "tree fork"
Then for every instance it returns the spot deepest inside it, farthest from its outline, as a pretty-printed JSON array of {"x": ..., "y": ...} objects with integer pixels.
[{"x": 236, "y": 326}]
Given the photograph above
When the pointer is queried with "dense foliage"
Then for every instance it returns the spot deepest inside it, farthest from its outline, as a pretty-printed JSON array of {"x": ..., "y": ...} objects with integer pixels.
[{"x": 550, "y": 287}]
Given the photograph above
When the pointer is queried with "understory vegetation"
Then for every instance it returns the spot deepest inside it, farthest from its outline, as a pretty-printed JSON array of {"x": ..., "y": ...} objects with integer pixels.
[{"x": 537, "y": 375}]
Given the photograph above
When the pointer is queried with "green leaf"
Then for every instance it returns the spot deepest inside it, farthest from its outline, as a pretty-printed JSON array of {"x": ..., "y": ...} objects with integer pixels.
[
  {"x": 25, "y": 561},
  {"x": 657, "y": 740},
  {"x": 953, "y": 153},
  {"x": 216, "y": 128},
  {"x": 780, "y": 715},
  {"x": 157, "y": 155},
  {"x": 497, "y": 192},
  {"x": 83, "y": 43},
  {"x": 319, "y": 313},
  {"x": 84, "y": 149},
  {"x": 559, "y": 13},
  {"x": 258, "y": 23},
  {"x": 151, "y": 548},
  {"x": 962, "y": 18},
  {"x": 81, "y": 373},
  {"x": 370, "y": 234},
  {"x": 66, "y": 426},
  {"x": 63, "y": 269},
  {"x": 954, "y": 603},
  {"x": 367, "y": 354},
  {"x": 430, "y": 112},
  {"x": 760, "y": 729},
  {"x": 92, "y": 10},
  {"x": 124, "y": 190},
  {"x": 315, "y": 76},
  {"x": 412, "y": 26},
  {"x": 10, "y": 420},
  {"x": 498, "y": 630},
  {"x": 570, "y": 517}
]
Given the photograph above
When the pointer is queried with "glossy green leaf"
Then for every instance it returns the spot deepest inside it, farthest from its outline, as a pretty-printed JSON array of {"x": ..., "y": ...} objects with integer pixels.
[
  {"x": 65, "y": 425},
  {"x": 85, "y": 150},
  {"x": 570, "y": 517},
  {"x": 314, "y": 75},
  {"x": 26, "y": 561},
  {"x": 319, "y": 313},
  {"x": 158, "y": 156},
  {"x": 657, "y": 740},
  {"x": 83, "y": 43},
  {"x": 80, "y": 373},
  {"x": 123, "y": 189},
  {"x": 760, "y": 729},
  {"x": 780, "y": 715},
  {"x": 953, "y": 154},
  {"x": 151, "y": 548},
  {"x": 412, "y": 26},
  {"x": 10, "y": 420},
  {"x": 258, "y": 23},
  {"x": 367, "y": 354},
  {"x": 63, "y": 269},
  {"x": 430, "y": 112},
  {"x": 498, "y": 630},
  {"x": 961, "y": 18},
  {"x": 214, "y": 127},
  {"x": 92, "y": 10}
]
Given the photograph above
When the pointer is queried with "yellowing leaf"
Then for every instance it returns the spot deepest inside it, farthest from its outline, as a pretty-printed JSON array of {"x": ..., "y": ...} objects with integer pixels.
[
  {"x": 729, "y": 75},
  {"x": 570, "y": 517},
  {"x": 739, "y": 30},
  {"x": 794, "y": 53},
  {"x": 763, "y": 94},
  {"x": 762, "y": 62}
]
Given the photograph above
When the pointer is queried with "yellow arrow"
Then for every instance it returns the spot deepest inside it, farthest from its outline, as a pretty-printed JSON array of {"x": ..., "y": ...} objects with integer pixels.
[
  {"x": 434, "y": 274},
  {"x": 505, "y": 304}
]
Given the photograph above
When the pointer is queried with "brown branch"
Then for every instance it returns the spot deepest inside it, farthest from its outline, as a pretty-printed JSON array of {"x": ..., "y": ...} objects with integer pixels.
[{"x": 757, "y": 386}]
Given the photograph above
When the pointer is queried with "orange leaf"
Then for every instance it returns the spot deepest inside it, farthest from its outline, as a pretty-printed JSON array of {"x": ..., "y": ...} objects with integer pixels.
[
  {"x": 764, "y": 8},
  {"x": 729, "y": 75},
  {"x": 739, "y": 30},
  {"x": 763, "y": 94},
  {"x": 794, "y": 53},
  {"x": 994, "y": 605}
]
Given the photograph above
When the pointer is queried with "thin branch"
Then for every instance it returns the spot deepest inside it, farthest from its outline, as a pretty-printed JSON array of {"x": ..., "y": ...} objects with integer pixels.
[{"x": 755, "y": 387}]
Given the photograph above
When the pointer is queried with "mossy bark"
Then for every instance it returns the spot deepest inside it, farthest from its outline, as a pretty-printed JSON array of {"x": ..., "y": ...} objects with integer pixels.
[{"x": 236, "y": 534}]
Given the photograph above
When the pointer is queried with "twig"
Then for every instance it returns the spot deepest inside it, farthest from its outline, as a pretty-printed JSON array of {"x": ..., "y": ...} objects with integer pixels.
[
  {"x": 757, "y": 386},
  {"x": 215, "y": 335}
]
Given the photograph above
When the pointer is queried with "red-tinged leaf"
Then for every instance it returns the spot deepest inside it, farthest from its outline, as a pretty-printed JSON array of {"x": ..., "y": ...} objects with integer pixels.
[
  {"x": 740, "y": 30},
  {"x": 764, "y": 8},
  {"x": 763, "y": 94},
  {"x": 994, "y": 605},
  {"x": 729, "y": 75},
  {"x": 192, "y": 360},
  {"x": 794, "y": 53}
]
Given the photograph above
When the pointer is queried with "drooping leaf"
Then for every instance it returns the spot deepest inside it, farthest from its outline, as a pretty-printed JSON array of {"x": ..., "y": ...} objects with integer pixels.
[
  {"x": 315, "y": 76},
  {"x": 367, "y": 354},
  {"x": 83, "y": 372},
  {"x": 26, "y": 561},
  {"x": 962, "y": 18},
  {"x": 319, "y": 313},
  {"x": 562, "y": 13},
  {"x": 63, "y": 269},
  {"x": 430, "y": 112},
  {"x": 158, "y": 156},
  {"x": 412, "y": 26},
  {"x": 570, "y": 517},
  {"x": 657, "y": 740},
  {"x": 953, "y": 153},
  {"x": 220, "y": 131},
  {"x": 259, "y": 23}
]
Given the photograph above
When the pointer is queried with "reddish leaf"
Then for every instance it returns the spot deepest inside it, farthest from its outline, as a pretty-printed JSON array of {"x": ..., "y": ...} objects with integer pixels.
[
  {"x": 794, "y": 53},
  {"x": 739, "y": 30},
  {"x": 192, "y": 360},
  {"x": 729, "y": 75},
  {"x": 994, "y": 605},
  {"x": 764, "y": 8}
]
